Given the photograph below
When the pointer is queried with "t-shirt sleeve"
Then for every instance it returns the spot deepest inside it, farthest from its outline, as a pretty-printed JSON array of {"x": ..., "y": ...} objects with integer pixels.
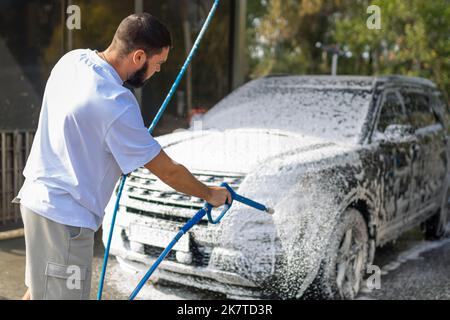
[{"x": 129, "y": 141}]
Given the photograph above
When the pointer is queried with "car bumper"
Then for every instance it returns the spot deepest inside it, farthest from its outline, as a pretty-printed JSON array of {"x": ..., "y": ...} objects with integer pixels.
[{"x": 227, "y": 283}]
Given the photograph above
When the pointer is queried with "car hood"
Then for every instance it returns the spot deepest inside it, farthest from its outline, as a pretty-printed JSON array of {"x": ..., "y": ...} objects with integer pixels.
[{"x": 237, "y": 151}]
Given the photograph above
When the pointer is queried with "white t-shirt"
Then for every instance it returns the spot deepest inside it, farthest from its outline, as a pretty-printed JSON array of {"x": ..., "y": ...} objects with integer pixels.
[{"x": 90, "y": 131}]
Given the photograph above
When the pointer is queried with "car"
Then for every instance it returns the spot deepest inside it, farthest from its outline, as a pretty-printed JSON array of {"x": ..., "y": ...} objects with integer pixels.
[{"x": 349, "y": 163}]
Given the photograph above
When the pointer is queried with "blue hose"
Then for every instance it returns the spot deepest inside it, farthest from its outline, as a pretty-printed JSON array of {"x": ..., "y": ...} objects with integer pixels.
[
  {"x": 193, "y": 221},
  {"x": 150, "y": 129}
]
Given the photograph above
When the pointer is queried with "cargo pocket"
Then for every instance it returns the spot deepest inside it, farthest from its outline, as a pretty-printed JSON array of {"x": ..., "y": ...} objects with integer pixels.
[
  {"x": 74, "y": 232},
  {"x": 64, "y": 282}
]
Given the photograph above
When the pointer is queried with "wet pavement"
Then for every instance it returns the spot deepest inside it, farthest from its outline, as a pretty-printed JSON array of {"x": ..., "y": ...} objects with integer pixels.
[
  {"x": 413, "y": 269},
  {"x": 118, "y": 285},
  {"x": 410, "y": 269},
  {"x": 12, "y": 266}
]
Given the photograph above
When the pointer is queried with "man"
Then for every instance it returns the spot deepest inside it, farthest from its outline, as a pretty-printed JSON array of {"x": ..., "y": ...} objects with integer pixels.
[{"x": 90, "y": 132}]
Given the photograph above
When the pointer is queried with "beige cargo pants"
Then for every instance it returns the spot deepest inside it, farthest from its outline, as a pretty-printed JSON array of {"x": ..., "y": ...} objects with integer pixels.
[{"x": 58, "y": 258}]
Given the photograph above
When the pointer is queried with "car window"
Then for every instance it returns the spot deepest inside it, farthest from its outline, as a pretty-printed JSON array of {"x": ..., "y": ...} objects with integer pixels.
[
  {"x": 419, "y": 110},
  {"x": 391, "y": 112},
  {"x": 330, "y": 111}
]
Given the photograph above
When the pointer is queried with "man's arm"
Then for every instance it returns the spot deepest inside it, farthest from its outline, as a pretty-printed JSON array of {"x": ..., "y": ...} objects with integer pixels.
[{"x": 179, "y": 178}]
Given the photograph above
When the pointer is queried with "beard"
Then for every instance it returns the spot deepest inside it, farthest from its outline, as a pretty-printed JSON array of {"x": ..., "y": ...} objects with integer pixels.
[{"x": 137, "y": 79}]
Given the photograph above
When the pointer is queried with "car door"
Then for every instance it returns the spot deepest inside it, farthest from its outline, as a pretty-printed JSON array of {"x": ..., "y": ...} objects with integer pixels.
[
  {"x": 429, "y": 169},
  {"x": 394, "y": 161}
]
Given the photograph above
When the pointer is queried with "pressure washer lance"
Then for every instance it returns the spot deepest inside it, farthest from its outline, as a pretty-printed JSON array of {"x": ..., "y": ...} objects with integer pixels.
[{"x": 207, "y": 210}]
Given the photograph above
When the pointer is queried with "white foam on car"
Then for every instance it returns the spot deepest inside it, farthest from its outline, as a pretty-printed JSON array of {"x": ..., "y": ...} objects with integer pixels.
[
  {"x": 326, "y": 131},
  {"x": 290, "y": 182},
  {"x": 313, "y": 107}
]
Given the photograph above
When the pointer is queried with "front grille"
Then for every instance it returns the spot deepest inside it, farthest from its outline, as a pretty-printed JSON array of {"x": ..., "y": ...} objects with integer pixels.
[
  {"x": 156, "y": 252},
  {"x": 200, "y": 256},
  {"x": 145, "y": 186},
  {"x": 145, "y": 196}
]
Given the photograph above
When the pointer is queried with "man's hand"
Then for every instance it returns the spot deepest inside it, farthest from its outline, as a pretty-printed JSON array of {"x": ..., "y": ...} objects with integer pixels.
[{"x": 218, "y": 196}]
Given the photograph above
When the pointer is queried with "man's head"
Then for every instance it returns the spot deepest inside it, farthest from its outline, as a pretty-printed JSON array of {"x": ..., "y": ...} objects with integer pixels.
[{"x": 142, "y": 44}]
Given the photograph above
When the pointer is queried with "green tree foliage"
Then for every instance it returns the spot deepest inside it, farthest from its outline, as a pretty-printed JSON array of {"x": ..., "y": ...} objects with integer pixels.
[
  {"x": 284, "y": 37},
  {"x": 414, "y": 38}
]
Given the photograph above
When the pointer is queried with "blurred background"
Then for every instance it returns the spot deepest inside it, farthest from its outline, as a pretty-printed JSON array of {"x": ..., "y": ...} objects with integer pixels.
[{"x": 248, "y": 39}]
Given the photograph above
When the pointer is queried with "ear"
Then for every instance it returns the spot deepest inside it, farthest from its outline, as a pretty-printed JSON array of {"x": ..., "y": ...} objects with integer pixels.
[{"x": 139, "y": 57}]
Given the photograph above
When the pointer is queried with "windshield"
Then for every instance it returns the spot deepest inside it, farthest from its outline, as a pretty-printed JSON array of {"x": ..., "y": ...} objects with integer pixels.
[{"x": 334, "y": 113}]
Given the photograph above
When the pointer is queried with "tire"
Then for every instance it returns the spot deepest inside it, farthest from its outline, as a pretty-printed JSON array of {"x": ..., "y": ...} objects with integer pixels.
[
  {"x": 344, "y": 265},
  {"x": 435, "y": 227}
]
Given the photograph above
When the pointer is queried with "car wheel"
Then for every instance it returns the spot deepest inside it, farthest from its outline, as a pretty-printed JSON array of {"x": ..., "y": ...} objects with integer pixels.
[
  {"x": 435, "y": 227},
  {"x": 342, "y": 270}
]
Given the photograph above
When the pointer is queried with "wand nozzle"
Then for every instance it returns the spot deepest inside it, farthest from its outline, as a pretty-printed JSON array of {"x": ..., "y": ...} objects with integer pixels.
[{"x": 239, "y": 198}]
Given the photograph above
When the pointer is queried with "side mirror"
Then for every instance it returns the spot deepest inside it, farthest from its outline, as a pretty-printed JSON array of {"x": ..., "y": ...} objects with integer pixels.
[{"x": 396, "y": 133}]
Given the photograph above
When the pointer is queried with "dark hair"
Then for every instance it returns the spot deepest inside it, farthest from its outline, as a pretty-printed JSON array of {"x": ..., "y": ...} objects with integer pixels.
[{"x": 141, "y": 31}]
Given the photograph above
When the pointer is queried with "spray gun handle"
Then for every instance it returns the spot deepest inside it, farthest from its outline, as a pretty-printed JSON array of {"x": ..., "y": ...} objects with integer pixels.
[{"x": 227, "y": 206}]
